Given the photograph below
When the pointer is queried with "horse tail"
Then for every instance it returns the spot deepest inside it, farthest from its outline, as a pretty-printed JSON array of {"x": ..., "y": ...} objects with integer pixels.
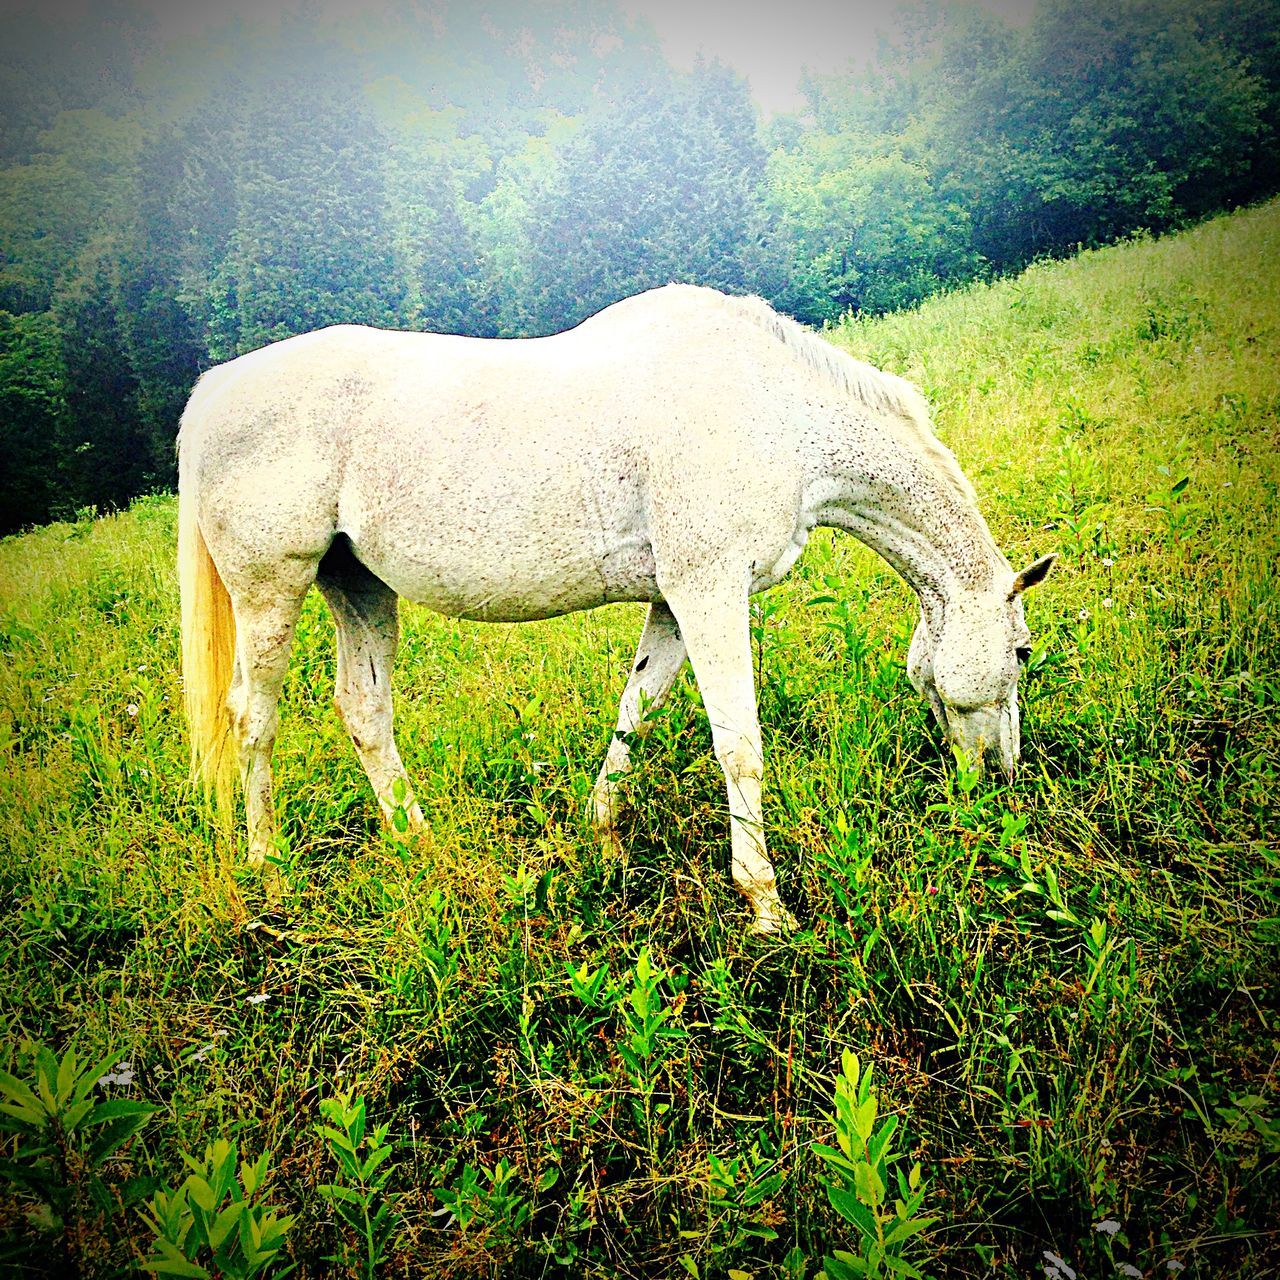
[{"x": 208, "y": 655}]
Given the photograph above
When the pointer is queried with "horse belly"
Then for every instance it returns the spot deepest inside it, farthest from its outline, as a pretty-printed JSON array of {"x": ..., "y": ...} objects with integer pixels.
[{"x": 489, "y": 568}]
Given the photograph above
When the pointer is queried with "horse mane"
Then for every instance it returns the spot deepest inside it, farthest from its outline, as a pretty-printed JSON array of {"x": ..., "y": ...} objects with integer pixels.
[{"x": 872, "y": 387}]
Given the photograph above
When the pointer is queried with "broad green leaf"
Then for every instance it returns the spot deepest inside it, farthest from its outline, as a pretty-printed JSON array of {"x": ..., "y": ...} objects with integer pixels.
[
  {"x": 880, "y": 1142},
  {"x": 171, "y": 1262},
  {"x": 201, "y": 1193},
  {"x": 844, "y": 1266},
  {"x": 114, "y": 1135},
  {"x": 838, "y": 1159},
  {"x": 852, "y": 1068},
  {"x": 870, "y": 1188},
  {"x": 173, "y": 1267},
  {"x": 864, "y": 1119},
  {"x": 66, "y": 1078},
  {"x": 905, "y": 1230},
  {"x": 224, "y": 1167},
  {"x": 73, "y": 1114},
  {"x": 900, "y": 1266},
  {"x": 45, "y": 1092},
  {"x": 374, "y": 1160},
  {"x": 115, "y": 1108},
  {"x": 29, "y": 1111},
  {"x": 335, "y": 1138},
  {"x": 851, "y": 1209},
  {"x": 222, "y": 1225},
  {"x": 333, "y": 1192}
]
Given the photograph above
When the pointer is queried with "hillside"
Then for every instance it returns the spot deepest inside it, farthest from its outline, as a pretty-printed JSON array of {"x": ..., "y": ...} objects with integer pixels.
[{"x": 1067, "y": 988}]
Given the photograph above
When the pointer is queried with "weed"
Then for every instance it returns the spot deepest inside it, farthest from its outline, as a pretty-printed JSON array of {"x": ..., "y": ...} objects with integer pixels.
[
  {"x": 359, "y": 1196},
  {"x": 64, "y": 1143},
  {"x": 860, "y": 1174},
  {"x": 214, "y": 1224}
]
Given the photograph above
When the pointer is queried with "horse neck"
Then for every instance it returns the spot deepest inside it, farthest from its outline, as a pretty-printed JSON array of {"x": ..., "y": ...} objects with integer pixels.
[{"x": 886, "y": 490}]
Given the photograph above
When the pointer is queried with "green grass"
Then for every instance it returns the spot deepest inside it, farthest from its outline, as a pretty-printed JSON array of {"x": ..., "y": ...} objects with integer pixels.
[{"x": 1068, "y": 988}]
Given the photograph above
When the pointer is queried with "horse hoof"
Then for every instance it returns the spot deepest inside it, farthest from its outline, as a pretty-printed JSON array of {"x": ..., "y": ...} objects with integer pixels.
[
  {"x": 272, "y": 889},
  {"x": 773, "y": 920},
  {"x": 610, "y": 843}
]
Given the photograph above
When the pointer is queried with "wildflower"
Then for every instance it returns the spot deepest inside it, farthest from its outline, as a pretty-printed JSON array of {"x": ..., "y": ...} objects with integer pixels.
[
  {"x": 131, "y": 710},
  {"x": 1108, "y": 1226},
  {"x": 931, "y": 889},
  {"x": 1107, "y": 562},
  {"x": 121, "y": 1073},
  {"x": 1106, "y": 604},
  {"x": 261, "y": 998},
  {"x": 1056, "y": 1268},
  {"x": 1083, "y": 615}
]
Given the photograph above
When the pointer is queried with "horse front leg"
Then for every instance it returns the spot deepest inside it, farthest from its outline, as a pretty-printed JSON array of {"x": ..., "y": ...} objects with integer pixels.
[
  {"x": 716, "y": 630},
  {"x": 659, "y": 656}
]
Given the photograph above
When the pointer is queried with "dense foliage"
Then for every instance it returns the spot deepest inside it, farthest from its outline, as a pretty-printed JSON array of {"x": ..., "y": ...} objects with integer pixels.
[
  {"x": 1021, "y": 1025},
  {"x": 164, "y": 206}
]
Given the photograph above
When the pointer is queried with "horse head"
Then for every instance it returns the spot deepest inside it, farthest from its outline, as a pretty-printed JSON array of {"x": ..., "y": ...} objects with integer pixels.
[{"x": 969, "y": 673}]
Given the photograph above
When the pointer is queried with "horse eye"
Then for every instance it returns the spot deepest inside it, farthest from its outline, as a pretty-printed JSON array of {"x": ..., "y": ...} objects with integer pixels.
[{"x": 1023, "y": 652}]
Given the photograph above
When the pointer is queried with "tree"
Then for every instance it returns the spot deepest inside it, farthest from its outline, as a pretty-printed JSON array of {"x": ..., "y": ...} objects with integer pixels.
[
  {"x": 31, "y": 405},
  {"x": 312, "y": 244},
  {"x": 51, "y": 205},
  {"x": 159, "y": 340},
  {"x": 1107, "y": 116},
  {"x": 659, "y": 185},
  {"x": 865, "y": 230},
  {"x": 106, "y": 455}
]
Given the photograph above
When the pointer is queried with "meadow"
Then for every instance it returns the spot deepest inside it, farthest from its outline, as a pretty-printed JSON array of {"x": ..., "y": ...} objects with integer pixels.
[{"x": 499, "y": 1050}]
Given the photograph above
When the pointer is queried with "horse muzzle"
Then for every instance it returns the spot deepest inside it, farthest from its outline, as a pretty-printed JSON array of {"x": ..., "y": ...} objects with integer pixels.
[{"x": 987, "y": 736}]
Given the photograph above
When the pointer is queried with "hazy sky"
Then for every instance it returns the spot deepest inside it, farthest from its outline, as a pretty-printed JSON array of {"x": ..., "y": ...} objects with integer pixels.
[
  {"x": 768, "y": 41},
  {"x": 771, "y": 41}
]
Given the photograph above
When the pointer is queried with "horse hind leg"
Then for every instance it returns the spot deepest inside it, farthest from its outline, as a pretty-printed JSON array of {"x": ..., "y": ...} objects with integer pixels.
[
  {"x": 265, "y": 623},
  {"x": 659, "y": 656},
  {"x": 364, "y": 613}
]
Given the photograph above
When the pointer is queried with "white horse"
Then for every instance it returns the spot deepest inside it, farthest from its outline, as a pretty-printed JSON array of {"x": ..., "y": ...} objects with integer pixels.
[{"x": 677, "y": 448}]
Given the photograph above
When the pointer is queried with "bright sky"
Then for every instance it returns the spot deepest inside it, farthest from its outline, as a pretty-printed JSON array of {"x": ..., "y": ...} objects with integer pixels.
[
  {"x": 768, "y": 41},
  {"x": 772, "y": 41}
]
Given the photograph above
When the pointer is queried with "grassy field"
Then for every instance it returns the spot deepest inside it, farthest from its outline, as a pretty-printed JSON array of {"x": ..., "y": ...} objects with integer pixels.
[{"x": 1067, "y": 990}]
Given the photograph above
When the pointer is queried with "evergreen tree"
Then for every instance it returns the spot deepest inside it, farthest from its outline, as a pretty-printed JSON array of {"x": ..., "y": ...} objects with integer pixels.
[
  {"x": 160, "y": 341},
  {"x": 106, "y": 454},
  {"x": 31, "y": 407},
  {"x": 445, "y": 291},
  {"x": 660, "y": 185},
  {"x": 863, "y": 229},
  {"x": 312, "y": 244}
]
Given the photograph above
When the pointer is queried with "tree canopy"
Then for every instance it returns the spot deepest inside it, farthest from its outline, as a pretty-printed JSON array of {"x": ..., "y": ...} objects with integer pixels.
[{"x": 166, "y": 206}]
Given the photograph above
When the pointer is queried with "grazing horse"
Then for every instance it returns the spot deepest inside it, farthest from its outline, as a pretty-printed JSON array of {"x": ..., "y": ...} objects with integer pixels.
[{"x": 676, "y": 448}]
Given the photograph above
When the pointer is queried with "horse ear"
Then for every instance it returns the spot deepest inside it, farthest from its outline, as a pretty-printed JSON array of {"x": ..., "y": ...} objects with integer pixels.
[{"x": 1032, "y": 575}]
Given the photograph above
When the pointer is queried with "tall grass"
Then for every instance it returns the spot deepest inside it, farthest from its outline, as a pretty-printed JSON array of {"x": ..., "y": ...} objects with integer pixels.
[{"x": 1068, "y": 987}]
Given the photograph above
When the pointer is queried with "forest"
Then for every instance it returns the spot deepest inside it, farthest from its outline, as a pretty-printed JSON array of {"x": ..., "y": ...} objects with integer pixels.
[{"x": 169, "y": 203}]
